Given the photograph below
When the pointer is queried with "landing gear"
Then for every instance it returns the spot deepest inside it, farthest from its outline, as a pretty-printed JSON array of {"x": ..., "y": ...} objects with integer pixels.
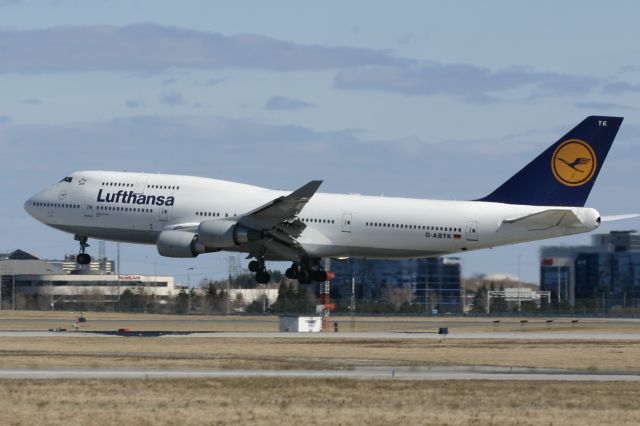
[
  {"x": 263, "y": 277},
  {"x": 292, "y": 273},
  {"x": 310, "y": 270},
  {"x": 258, "y": 267},
  {"x": 254, "y": 266},
  {"x": 304, "y": 277},
  {"x": 82, "y": 258},
  {"x": 306, "y": 271}
]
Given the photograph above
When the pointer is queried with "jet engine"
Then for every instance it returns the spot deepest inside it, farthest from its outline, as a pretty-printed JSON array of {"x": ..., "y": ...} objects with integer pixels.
[
  {"x": 180, "y": 244},
  {"x": 224, "y": 233}
]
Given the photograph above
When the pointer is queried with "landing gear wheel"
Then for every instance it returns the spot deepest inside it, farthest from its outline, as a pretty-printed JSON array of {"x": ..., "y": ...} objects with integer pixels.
[
  {"x": 304, "y": 277},
  {"x": 82, "y": 258},
  {"x": 254, "y": 266},
  {"x": 319, "y": 275},
  {"x": 292, "y": 273},
  {"x": 263, "y": 277}
]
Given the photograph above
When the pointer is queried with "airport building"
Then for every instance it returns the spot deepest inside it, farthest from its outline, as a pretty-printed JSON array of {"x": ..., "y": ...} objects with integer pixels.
[
  {"x": 63, "y": 287},
  {"x": 47, "y": 282},
  {"x": 601, "y": 276},
  {"x": 432, "y": 282},
  {"x": 57, "y": 282}
]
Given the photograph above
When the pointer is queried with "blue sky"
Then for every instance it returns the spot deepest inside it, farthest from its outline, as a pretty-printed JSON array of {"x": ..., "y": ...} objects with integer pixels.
[{"x": 416, "y": 98}]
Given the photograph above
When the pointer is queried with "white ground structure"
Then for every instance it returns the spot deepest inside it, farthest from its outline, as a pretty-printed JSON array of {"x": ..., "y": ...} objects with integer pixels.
[
  {"x": 68, "y": 286},
  {"x": 301, "y": 324}
]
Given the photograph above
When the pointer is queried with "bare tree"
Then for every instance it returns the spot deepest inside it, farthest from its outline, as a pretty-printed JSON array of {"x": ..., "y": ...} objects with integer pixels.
[{"x": 396, "y": 296}]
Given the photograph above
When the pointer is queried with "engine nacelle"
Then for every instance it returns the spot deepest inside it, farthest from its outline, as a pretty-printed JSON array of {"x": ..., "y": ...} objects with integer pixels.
[
  {"x": 180, "y": 244},
  {"x": 223, "y": 233}
]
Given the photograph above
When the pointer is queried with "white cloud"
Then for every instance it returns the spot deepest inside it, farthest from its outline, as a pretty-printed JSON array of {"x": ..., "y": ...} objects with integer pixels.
[
  {"x": 152, "y": 48},
  {"x": 283, "y": 102},
  {"x": 596, "y": 106},
  {"x": 272, "y": 155},
  {"x": 173, "y": 99},
  {"x": 466, "y": 81},
  {"x": 620, "y": 87},
  {"x": 133, "y": 103}
]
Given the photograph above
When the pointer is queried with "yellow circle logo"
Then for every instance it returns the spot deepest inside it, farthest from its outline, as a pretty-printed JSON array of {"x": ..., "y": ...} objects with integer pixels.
[{"x": 573, "y": 163}]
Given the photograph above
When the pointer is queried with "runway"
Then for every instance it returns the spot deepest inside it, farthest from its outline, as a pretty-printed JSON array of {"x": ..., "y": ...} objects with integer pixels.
[
  {"x": 346, "y": 336},
  {"x": 380, "y": 373}
]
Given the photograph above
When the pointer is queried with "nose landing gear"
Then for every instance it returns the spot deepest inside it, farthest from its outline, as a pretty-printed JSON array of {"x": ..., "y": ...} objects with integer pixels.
[{"x": 82, "y": 258}]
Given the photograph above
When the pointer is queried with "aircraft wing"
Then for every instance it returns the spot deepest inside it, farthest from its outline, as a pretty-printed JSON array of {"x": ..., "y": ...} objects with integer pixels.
[
  {"x": 282, "y": 209},
  {"x": 279, "y": 222},
  {"x": 545, "y": 219}
]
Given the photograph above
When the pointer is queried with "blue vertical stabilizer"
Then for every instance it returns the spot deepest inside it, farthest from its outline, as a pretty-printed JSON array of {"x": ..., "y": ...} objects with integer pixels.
[{"x": 564, "y": 174}]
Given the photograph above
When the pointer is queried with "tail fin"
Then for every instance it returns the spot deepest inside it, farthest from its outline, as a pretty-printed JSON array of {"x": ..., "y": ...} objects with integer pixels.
[{"x": 564, "y": 174}]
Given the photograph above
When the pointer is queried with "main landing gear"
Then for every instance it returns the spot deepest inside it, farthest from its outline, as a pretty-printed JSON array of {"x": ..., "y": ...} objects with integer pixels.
[
  {"x": 82, "y": 258},
  {"x": 258, "y": 267},
  {"x": 306, "y": 272}
]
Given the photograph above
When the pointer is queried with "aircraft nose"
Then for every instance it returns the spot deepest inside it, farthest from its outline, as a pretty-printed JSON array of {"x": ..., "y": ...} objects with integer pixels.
[{"x": 28, "y": 205}]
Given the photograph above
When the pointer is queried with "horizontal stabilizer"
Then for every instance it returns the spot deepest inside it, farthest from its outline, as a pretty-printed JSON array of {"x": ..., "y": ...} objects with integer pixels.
[
  {"x": 613, "y": 218},
  {"x": 545, "y": 219}
]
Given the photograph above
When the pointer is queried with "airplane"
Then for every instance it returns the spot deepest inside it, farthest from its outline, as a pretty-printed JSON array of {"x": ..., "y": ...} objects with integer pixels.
[{"x": 185, "y": 216}]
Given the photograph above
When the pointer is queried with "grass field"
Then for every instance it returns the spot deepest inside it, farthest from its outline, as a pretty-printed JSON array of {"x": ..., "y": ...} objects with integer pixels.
[
  {"x": 280, "y": 401},
  {"x": 282, "y": 353},
  {"x": 270, "y": 401}
]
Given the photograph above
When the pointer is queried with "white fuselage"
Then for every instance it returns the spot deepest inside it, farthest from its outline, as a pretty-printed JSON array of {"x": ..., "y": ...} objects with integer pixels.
[{"x": 337, "y": 225}]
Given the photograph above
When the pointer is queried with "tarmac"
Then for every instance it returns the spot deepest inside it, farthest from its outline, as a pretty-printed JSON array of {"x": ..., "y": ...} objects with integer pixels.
[
  {"x": 524, "y": 335},
  {"x": 379, "y": 373}
]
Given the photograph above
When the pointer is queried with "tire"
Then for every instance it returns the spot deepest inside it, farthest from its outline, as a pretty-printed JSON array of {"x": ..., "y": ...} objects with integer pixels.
[
  {"x": 291, "y": 273},
  {"x": 254, "y": 266},
  {"x": 303, "y": 277},
  {"x": 319, "y": 276},
  {"x": 263, "y": 277}
]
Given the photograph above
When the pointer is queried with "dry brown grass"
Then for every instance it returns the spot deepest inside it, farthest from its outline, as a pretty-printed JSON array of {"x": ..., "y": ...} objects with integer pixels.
[
  {"x": 279, "y": 401},
  {"x": 278, "y": 353},
  {"x": 284, "y": 401}
]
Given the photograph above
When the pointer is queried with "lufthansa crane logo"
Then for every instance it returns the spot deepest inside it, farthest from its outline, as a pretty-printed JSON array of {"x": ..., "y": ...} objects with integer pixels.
[{"x": 574, "y": 162}]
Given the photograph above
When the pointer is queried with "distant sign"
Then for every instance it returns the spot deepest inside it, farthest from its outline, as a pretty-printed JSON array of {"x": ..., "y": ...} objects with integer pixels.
[
  {"x": 129, "y": 277},
  {"x": 519, "y": 294}
]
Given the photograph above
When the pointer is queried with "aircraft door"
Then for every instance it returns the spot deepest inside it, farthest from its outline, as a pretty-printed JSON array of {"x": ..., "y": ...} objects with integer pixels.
[
  {"x": 472, "y": 231},
  {"x": 141, "y": 184},
  {"x": 164, "y": 213},
  {"x": 88, "y": 208},
  {"x": 346, "y": 222}
]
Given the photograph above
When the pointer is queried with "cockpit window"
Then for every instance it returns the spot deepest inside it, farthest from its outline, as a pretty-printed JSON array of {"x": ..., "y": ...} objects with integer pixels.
[{"x": 67, "y": 179}]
